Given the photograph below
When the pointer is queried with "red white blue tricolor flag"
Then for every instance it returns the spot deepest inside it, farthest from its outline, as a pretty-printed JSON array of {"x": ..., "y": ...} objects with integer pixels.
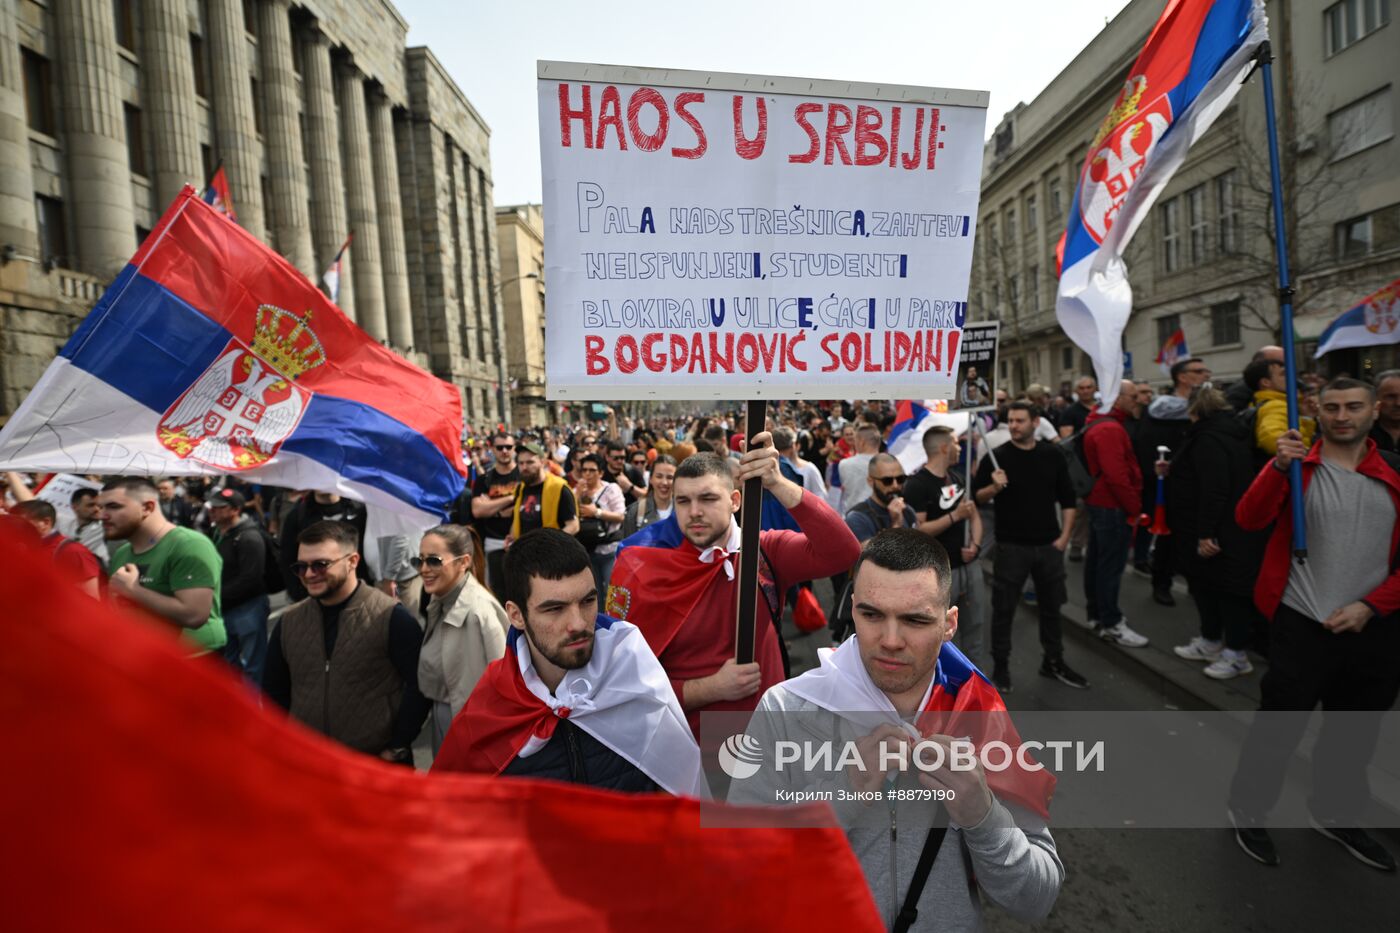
[
  {"x": 1374, "y": 322},
  {"x": 337, "y": 266},
  {"x": 1187, "y": 73},
  {"x": 216, "y": 195},
  {"x": 212, "y": 354},
  {"x": 1173, "y": 351}
]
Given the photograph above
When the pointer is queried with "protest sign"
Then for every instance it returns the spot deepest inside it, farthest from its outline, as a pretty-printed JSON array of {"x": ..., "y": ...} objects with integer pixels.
[
  {"x": 742, "y": 236},
  {"x": 58, "y": 491},
  {"x": 976, "y": 385}
]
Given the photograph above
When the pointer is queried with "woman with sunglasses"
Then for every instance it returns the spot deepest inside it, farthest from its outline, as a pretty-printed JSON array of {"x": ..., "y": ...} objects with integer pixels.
[{"x": 464, "y": 627}]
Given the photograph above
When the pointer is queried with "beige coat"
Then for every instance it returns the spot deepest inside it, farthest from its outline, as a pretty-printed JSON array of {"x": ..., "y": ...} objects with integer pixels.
[{"x": 456, "y": 650}]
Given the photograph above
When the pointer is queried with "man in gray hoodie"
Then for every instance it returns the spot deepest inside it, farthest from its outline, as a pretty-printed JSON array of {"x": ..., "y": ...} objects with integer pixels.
[{"x": 899, "y": 664}]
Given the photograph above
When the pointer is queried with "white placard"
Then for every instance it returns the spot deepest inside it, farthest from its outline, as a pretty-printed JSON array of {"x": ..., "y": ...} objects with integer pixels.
[
  {"x": 742, "y": 236},
  {"x": 58, "y": 492}
]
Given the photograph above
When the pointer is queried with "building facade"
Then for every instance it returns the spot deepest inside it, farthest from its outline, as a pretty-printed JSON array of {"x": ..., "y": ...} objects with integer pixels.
[
  {"x": 324, "y": 123},
  {"x": 1203, "y": 259},
  {"x": 520, "y": 231}
]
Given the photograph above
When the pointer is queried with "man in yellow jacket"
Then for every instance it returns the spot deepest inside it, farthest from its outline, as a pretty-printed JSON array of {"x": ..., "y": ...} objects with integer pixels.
[
  {"x": 542, "y": 500},
  {"x": 1268, "y": 380}
]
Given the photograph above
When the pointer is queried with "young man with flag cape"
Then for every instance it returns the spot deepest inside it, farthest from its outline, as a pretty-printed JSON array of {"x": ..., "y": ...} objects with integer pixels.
[
  {"x": 578, "y": 696},
  {"x": 896, "y": 686},
  {"x": 677, "y": 580}
]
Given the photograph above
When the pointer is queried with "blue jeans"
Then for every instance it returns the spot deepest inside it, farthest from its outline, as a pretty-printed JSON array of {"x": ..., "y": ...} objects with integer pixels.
[
  {"x": 1110, "y": 536},
  {"x": 246, "y": 625},
  {"x": 602, "y": 572}
]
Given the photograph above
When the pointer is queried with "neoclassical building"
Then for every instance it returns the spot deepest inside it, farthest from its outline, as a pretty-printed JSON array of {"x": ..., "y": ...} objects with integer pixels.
[{"x": 324, "y": 122}]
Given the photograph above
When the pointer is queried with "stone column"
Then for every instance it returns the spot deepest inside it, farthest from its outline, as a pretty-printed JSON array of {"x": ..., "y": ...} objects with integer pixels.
[
  {"x": 397, "y": 305},
  {"x": 233, "y": 111},
  {"x": 99, "y": 175},
  {"x": 168, "y": 71},
  {"x": 18, "y": 224},
  {"x": 288, "y": 215},
  {"x": 328, "y": 225},
  {"x": 359, "y": 191}
]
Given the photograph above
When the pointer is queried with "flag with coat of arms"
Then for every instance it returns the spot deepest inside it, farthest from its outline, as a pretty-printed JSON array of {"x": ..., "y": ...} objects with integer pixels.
[
  {"x": 1373, "y": 322},
  {"x": 1187, "y": 73},
  {"x": 211, "y": 354}
]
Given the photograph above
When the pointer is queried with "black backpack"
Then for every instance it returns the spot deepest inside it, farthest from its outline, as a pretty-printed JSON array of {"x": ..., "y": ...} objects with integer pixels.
[
  {"x": 1072, "y": 449},
  {"x": 273, "y": 581}
]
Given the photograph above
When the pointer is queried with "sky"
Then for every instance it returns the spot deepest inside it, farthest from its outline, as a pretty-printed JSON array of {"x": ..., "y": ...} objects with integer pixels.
[{"x": 490, "y": 49}]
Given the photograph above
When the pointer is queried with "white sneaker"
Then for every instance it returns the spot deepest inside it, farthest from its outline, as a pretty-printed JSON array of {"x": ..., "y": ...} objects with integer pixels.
[
  {"x": 1200, "y": 649},
  {"x": 1120, "y": 634},
  {"x": 1229, "y": 664}
]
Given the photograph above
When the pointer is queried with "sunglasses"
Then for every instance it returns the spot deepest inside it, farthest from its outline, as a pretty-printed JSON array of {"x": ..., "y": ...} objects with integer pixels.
[
  {"x": 891, "y": 480},
  {"x": 302, "y": 568},
  {"x": 432, "y": 560},
  {"x": 505, "y": 446}
]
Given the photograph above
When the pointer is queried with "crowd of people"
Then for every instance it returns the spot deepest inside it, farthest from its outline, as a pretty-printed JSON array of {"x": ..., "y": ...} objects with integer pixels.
[{"x": 505, "y": 612}]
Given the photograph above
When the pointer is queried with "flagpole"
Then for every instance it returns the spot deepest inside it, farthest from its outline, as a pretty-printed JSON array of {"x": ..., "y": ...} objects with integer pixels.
[
  {"x": 750, "y": 524},
  {"x": 1285, "y": 301}
]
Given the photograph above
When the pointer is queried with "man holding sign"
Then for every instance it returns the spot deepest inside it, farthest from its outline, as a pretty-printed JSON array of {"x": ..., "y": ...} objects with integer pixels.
[{"x": 678, "y": 580}]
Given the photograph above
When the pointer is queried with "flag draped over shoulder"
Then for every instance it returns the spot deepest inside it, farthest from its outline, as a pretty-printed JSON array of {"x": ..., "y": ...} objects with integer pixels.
[
  {"x": 157, "y": 786},
  {"x": 1373, "y": 322},
  {"x": 660, "y": 564},
  {"x": 622, "y": 698},
  {"x": 210, "y": 354},
  {"x": 962, "y": 703},
  {"x": 1187, "y": 73}
]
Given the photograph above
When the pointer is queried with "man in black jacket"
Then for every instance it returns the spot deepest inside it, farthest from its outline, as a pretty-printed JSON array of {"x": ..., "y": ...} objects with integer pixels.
[{"x": 242, "y": 592}]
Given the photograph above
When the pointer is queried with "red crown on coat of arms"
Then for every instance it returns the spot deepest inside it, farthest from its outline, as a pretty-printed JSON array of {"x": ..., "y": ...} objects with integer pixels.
[{"x": 287, "y": 342}]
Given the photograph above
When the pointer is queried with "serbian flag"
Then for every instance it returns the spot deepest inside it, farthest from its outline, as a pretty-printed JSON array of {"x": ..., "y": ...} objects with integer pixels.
[
  {"x": 1187, "y": 73},
  {"x": 217, "y": 196},
  {"x": 621, "y": 697},
  {"x": 962, "y": 703},
  {"x": 1173, "y": 351},
  {"x": 1373, "y": 322},
  {"x": 337, "y": 266},
  {"x": 660, "y": 562},
  {"x": 147, "y": 766},
  {"x": 211, "y": 354},
  {"x": 912, "y": 421}
]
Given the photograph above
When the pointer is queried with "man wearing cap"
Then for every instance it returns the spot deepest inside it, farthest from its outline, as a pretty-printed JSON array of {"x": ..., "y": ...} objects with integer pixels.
[
  {"x": 542, "y": 500},
  {"x": 241, "y": 590}
]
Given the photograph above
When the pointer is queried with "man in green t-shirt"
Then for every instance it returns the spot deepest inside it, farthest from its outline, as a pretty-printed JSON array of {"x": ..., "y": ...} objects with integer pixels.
[{"x": 171, "y": 571}]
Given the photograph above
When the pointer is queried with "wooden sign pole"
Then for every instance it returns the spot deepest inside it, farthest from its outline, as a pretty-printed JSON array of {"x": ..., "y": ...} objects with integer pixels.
[{"x": 750, "y": 523}]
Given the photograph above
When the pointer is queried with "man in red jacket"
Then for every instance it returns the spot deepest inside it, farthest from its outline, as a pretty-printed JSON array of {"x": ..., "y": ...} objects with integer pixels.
[
  {"x": 1335, "y": 637},
  {"x": 1115, "y": 500}
]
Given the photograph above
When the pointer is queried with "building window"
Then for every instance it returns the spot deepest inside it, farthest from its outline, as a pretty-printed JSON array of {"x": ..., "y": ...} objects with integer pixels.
[
  {"x": 1370, "y": 233},
  {"x": 1056, "y": 204},
  {"x": 257, "y": 105},
  {"x": 201, "y": 87},
  {"x": 1350, "y": 21},
  {"x": 53, "y": 235},
  {"x": 135, "y": 141},
  {"x": 141, "y": 234},
  {"x": 992, "y": 231},
  {"x": 1225, "y": 323},
  {"x": 1013, "y": 289},
  {"x": 1011, "y": 224},
  {"x": 250, "y": 17},
  {"x": 1032, "y": 217},
  {"x": 38, "y": 93},
  {"x": 1067, "y": 357},
  {"x": 1171, "y": 235},
  {"x": 1227, "y": 213},
  {"x": 124, "y": 18},
  {"x": 1199, "y": 226},
  {"x": 1033, "y": 287},
  {"x": 1166, "y": 326},
  {"x": 1003, "y": 368},
  {"x": 1368, "y": 122},
  {"x": 206, "y": 161}
]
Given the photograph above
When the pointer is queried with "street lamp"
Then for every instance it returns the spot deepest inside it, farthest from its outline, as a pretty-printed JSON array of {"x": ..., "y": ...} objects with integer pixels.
[{"x": 501, "y": 350}]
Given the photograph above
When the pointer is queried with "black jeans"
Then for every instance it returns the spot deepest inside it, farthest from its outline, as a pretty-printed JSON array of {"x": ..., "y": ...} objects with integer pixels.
[
  {"x": 1308, "y": 665},
  {"x": 1223, "y": 614},
  {"x": 1046, "y": 568}
]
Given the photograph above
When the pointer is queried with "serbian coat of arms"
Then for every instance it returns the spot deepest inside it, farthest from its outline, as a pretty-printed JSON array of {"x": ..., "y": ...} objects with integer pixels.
[{"x": 239, "y": 411}]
